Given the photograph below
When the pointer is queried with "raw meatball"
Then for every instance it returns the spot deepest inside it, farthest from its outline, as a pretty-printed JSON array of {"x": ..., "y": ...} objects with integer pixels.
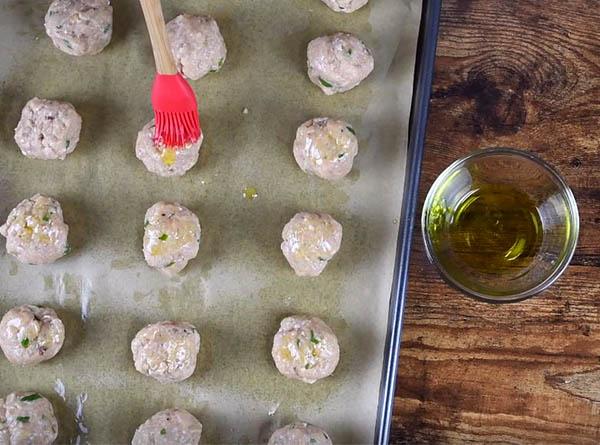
[
  {"x": 48, "y": 129},
  {"x": 197, "y": 45},
  {"x": 31, "y": 334},
  {"x": 166, "y": 351},
  {"x": 345, "y": 5},
  {"x": 326, "y": 147},
  {"x": 162, "y": 160},
  {"x": 35, "y": 231},
  {"x": 80, "y": 27},
  {"x": 305, "y": 349},
  {"x": 339, "y": 62},
  {"x": 310, "y": 240},
  {"x": 300, "y": 433},
  {"x": 171, "y": 426},
  {"x": 171, "y": 237},
  {"x": 27, "y": 418}
]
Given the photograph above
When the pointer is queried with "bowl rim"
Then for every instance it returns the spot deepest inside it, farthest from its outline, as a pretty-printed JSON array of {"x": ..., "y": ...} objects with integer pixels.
[{"x": 559, "y": 268}]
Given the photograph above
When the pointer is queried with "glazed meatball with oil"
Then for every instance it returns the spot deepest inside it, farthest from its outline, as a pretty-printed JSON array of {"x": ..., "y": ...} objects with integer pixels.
[
  {"x": 305, "y": 349},
  {"x": 326, "y": 148},
  {"x": 35, "y": 231},
  {"x": 171, "y": 237},
  {"x": 310, "y": 240}
]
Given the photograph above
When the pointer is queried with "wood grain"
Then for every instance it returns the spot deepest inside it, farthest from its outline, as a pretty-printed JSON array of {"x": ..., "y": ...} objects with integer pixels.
[{"x": 524, "y": 74}]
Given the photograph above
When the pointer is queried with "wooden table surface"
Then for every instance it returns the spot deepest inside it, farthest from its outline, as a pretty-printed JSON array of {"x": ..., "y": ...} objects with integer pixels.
[{"x": 526, "y": 74}]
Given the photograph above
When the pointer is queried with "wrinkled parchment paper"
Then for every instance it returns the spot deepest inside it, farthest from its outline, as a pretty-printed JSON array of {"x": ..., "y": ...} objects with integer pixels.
[{"x": 240, "y": 285}]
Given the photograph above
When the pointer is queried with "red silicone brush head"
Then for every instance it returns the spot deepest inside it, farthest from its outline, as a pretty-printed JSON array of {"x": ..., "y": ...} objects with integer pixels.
[{"x": 175, "y": 111}]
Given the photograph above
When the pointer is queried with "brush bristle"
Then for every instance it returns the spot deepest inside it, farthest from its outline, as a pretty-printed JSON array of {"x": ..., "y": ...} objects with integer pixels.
[{"x": 176, "y": 129}]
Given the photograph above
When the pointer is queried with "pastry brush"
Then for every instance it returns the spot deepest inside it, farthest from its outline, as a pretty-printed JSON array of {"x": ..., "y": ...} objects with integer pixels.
[{"x": 173, "y": 100}]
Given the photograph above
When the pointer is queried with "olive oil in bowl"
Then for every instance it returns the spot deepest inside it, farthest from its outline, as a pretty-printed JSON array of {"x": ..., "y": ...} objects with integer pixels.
[
  {"x": 494, "y": 229},
  {"x": 500, "y": 224}
]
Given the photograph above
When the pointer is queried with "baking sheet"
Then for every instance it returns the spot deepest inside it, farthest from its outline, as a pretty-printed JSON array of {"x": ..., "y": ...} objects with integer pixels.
[{"x": 240, "y": 285}]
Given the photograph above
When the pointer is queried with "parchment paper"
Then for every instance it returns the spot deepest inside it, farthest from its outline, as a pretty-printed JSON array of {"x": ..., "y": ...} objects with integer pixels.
[{"x": 240, "y": 286}]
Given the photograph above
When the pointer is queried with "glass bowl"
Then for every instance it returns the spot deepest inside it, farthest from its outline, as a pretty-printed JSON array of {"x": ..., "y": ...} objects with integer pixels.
[{"x": 500, "y": 224}]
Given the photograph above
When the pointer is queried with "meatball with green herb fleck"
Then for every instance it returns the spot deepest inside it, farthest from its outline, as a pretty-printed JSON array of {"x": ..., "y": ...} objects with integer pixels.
[
  {"x": 326, "y": 147},
  {"x": 169, "y": 427},
  {"x": 300, "y": 433},
  {"x": 48, "y": 129},
  {"x": 31, "y": 334},
  {"x": 339, "y": 62},
  {"x": 35, "y": 231},
  {"x": 80, "y": 27},
  {"x": 27, "y": 418},
  {"x": 197, "y": 45},
  {"x": 305, "y": 349},
  {"x": 171, "y": 237},
  {"x": 166, "y": 351},
  {"x": 310, "y": 240}
]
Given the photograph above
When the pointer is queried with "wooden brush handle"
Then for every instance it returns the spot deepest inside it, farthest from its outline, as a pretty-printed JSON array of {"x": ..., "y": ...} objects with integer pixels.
[{"x": 155, "y": 22}]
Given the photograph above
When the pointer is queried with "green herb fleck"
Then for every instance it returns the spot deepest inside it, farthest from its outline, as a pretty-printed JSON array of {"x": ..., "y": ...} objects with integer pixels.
[
  {"x": 106, "y": 28},
  {"x": 25, "y": 342},
  {"x": 67, "y": 44},
  {"x": 170, "y": 264},
  {"x": 314, "y": 339},
  {"x": 31, "y": 397},
  {"x": 23, "y": 419},
  {"x": 341, "y": 155},
  {"x": 307, "y": 366},
  {"x": 322, "y": 259},
  {"x": 146, "y": 223},
  {"x": 325, "y": 83},
  {"x": 163, "y": 237},
  {"x": 46, "y": 217},
  {"x": 163, "y": 432},
  {"x": 298, "y": 343},
  {"x": 67, "y": 143},
  {"x": 351, "y": 130},
  {"x": 349, "y": 51},
  {"x": 313, "y": 440},
  {"x": 68, "y": 249}
]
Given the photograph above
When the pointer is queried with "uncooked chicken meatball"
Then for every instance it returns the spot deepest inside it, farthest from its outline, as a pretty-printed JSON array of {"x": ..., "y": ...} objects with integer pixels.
[
  {"x": 166, "y": 351},
  {"x": 305, "y": 349},
  {"x": 326, "y": 147},
  {"x": 163, "y": 160},
  {"x": 35, "y": 231},
  {"x": 48, "y": 129},
  {"x": 300, "y": 433},
  {"x": 27, "y": 418},
  {"x": 197, "y": 45},
  {"x": 345, "y": 5},
  {"x": 338, "y": 62},
  {"x": 310, "y": 240},
  {"x": 171, "y": 237},
  {"x": 31, "y": 334},
  {"x": 80, "y": 27},
  {"x": 169, "y": 427}
]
